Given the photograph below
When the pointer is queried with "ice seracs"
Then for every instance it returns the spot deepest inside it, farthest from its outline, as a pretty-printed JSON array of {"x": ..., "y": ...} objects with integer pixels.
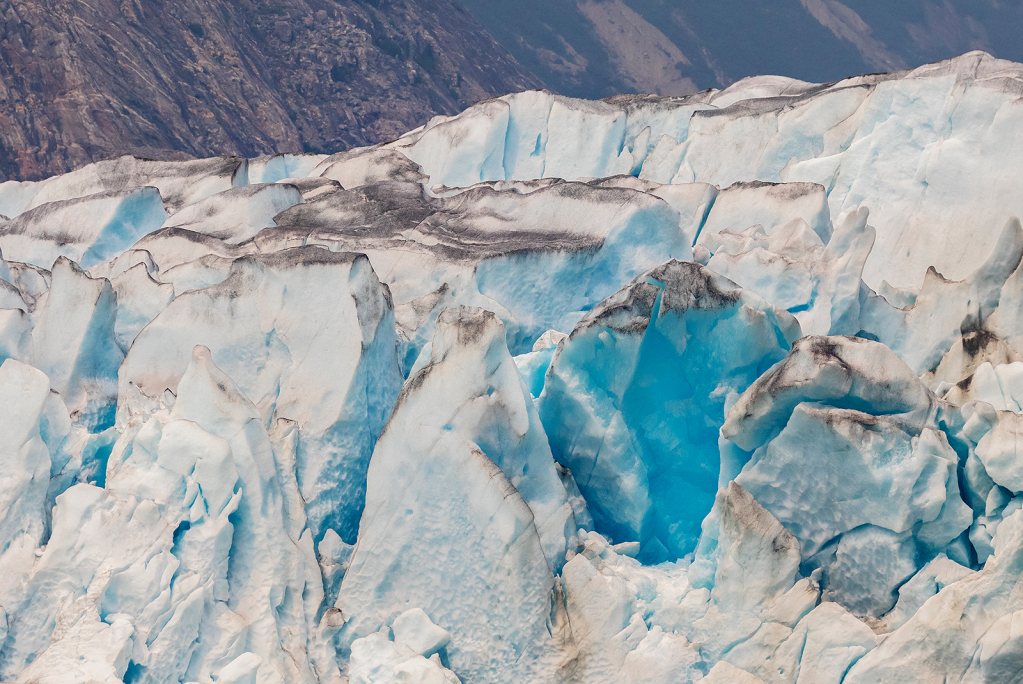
[
  {"x": 521, "y": 251},
  {"x": 237, "y": 214},
  {"x": 463, "y": 454},
  {"x": 179, "y": 183},
  {"x": 26, "y": 468},
  {"x": 725, "y": 388},
  {"x": 308, "y": 335},
  {"x": 885, "y": 492},
  {"x": 634, "y": 399},
  {"x": 897, "y": 143},
  {"x": 88, "y": 230},
  {"x": 74, "y": 343}
]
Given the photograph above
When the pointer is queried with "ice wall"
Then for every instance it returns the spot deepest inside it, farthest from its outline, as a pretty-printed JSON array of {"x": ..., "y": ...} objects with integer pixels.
[
  {"x": 932, "y": 152},
  {"x": 636, "y": 396},
  {"x": 721, "y": 389}
]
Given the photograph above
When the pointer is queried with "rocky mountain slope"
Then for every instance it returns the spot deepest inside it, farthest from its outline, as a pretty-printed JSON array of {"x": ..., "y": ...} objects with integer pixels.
[
  {"x": 82, "y": 81},
  {"x": 596, "y": 48}
]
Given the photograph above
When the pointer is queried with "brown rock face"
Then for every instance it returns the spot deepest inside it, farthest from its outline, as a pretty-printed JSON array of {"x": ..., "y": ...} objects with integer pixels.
[{"x": 173, "y": 79}]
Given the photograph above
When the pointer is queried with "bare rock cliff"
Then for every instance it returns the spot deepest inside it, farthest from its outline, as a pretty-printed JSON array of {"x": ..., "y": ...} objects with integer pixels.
[{"x": 82, "y": 80}]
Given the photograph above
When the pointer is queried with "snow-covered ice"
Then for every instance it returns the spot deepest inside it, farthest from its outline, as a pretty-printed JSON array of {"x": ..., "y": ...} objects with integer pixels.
[{"x": 725, "y": 389}]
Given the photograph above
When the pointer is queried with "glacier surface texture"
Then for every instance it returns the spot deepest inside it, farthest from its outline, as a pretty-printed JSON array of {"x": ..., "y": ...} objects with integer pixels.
[{"x": 725, "y": 389}]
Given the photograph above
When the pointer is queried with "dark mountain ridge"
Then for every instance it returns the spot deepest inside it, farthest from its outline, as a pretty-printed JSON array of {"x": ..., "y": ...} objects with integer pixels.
[
  {"x": 82, "y": 81},
  {"x": 597, "y": 48}
]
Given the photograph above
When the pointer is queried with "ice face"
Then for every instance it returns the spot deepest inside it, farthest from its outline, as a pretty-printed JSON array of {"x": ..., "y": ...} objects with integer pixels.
[
  {"x": 725, "y": 388},
  {"x": 74, "y": 343},
  {"x": 206, "y": 476},
  {"x": 474, "y": 461},
  {"x": 309, "y": 336},
  {"x": 477, "y": 246},
  {"x": 179, "y": 183},
  {"x": 649, "y": 467},
  {"x": 494, "y": 586},
  {"x": 237, "y": 214},
  {"x": 881, "y": 460},
  {"x": 26, "y": 467},
  {"x": 277, "y": 167},
  {"x": 899, "y": 144},
  {"x": 88, "y": 230}
]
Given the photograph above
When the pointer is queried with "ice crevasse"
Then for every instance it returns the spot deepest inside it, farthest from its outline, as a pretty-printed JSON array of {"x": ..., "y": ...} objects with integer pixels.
[{"x": 651, "y": 390}]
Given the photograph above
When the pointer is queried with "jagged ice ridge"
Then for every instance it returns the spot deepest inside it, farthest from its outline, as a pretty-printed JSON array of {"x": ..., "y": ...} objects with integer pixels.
[{"x": 717, "y": 389}]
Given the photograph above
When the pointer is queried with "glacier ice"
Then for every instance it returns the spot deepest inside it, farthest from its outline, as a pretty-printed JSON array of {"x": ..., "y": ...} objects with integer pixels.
[
  {"x": 74, "y": 342},
  {"x": 26, "y": 468},
  {"x": 179, "y": 183},
  {"x": 717, "y": 389},
  {"x": 901, "y": 144},
  {"x": 237, "y": 214},
  {"x": 475, "y": 247},
  {"x": 463, "y": 452},
  {"x": 89, "y": 229},
  {"x": 376, "y": 660},
  {"x": 308, "y": 335},
  {"x": 636, "y": 396}
]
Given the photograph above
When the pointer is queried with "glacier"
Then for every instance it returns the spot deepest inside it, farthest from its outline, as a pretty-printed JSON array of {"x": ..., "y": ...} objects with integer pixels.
[{"x": 722, "y": 389}]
